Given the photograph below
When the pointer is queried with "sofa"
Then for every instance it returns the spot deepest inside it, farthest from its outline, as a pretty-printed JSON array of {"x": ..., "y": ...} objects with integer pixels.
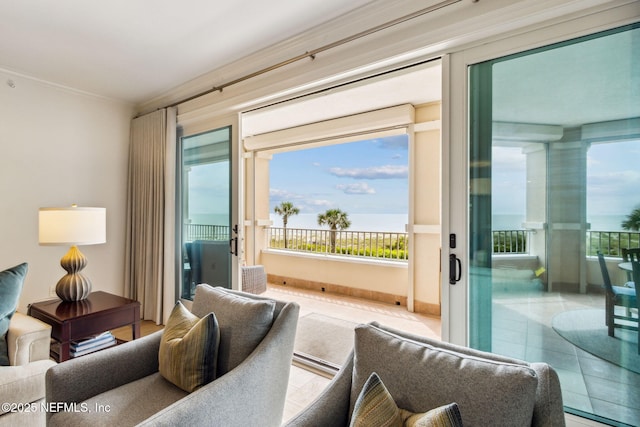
[
  {"x": 22, "y": 382},
  {"x": 421, "y": 375},
  {"x": 123, "y": 386}
]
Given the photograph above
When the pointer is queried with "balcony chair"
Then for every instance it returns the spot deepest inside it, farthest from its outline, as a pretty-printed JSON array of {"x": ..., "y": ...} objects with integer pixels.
[
  {"x": 629, "y": 255},
  {"x": 249, "y": 390},
  {"x": 422, "y": 374},
  {"x": 617, "y": 296},
  {"x": 254, "y": 279}
]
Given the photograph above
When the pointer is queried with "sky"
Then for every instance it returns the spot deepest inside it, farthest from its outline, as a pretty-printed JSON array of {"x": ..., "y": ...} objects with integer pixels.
[
  {"x": 371, "y": 177},
  {"x": 368, "y": 177},
  {"x": 613, "y": 179}
]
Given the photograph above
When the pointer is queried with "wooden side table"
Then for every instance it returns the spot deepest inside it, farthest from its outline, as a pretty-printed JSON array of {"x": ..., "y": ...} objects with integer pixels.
[{"x": 76, "y": 320}]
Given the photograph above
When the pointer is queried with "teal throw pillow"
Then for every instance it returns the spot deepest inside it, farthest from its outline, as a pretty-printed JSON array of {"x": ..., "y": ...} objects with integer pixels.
[{"x": 11, "y": 281}]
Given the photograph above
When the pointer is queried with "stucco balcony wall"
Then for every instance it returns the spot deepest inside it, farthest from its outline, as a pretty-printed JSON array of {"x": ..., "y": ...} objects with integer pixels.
[{"x": 377, "y": 280}]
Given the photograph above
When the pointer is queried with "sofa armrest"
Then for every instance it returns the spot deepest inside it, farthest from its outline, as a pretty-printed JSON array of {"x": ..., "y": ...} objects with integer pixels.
[
  {"x": 79, "y": 379},
  {"x": 549, "y": 410},
  {"x": 23, "y": 384},
  {"x": 331, "y": 407},
  {"x": 252, "y": 394},
  {"x": 28, "y": 340}
]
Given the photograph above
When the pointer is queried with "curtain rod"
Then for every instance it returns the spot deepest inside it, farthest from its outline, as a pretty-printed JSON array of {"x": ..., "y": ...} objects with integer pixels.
[{"x": 312, "y": 54}]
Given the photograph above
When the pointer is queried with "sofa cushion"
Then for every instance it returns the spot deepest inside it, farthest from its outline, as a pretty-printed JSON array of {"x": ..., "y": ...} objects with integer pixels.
[
  {"x": 126, "y": 405},
  {"x": 375, "y": 407},
  {"x": 434, "y": 377},
  {"x": 243, "y": 322},
  {"x": 189, "y": 349},
  {"x": 11, "y": 281}
]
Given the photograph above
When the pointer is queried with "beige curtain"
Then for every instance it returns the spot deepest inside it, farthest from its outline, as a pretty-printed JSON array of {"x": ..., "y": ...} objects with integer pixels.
[{"x": 150, "y": 239}]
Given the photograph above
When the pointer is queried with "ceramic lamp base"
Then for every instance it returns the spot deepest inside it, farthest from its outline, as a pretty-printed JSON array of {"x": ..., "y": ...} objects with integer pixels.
[{"x": 73, "y": 286}]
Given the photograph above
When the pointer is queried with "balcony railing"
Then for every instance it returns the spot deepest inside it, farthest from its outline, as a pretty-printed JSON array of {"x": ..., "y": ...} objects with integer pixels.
[
  {"x": 393, "y": 245},
  {"x": 372, "y": 244},
  {"x": 510, "y": 241},
  {"x": 205, "y": 232},
  {"x": 610, "y": 242}
]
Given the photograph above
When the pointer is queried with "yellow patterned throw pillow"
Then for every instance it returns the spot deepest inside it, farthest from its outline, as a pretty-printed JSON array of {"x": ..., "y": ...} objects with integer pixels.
[
  {"x": 189, "y": 349},
  {"x": 375, "y": 407}
]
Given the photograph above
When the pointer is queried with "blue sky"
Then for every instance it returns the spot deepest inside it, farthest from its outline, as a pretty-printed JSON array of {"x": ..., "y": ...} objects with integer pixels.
[{"x": 358, "y": 177}]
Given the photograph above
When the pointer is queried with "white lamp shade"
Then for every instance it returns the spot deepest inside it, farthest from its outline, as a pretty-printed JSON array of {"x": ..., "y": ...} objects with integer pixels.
[{"x": 72, "y": 226}]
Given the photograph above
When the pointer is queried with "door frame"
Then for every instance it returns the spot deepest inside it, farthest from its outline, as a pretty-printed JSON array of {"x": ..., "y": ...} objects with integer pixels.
[
  {"x": 194, "y": 126},
  {"x": 455, "y": 143}
]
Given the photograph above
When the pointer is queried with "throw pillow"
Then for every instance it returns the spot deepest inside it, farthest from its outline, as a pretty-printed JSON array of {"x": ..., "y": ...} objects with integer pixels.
[
  {"x": 244, "y": 321},
  {"x": 11, "y": 281},
  {"x": 438, "y": 376},
  {"x": 375, "y": 407},
  {"x": 189, "y": 349},
  {"x": 443, "y": 416}
]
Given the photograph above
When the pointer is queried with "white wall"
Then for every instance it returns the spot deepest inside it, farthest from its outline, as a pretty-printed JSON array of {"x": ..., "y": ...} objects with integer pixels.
[{"x": 59, "y": 147}]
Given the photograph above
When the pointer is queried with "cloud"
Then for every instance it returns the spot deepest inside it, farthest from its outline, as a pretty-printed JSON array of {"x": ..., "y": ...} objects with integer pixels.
[
  {"x": 373, "y": 172},
  {"x": 318, "y": 203},
  {"x": 356, "y": 188},
  {"x": 278, "y": 195},
  {"x": 306, "y": 203}
]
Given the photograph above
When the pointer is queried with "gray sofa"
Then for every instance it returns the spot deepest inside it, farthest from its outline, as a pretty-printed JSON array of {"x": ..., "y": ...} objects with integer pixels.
[
  {"x": 422, "y": 374},
  {"x": 122, "y": 386}
]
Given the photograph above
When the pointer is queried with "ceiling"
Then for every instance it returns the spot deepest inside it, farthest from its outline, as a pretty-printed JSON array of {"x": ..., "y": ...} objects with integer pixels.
[{"x": 136, "y": 50}]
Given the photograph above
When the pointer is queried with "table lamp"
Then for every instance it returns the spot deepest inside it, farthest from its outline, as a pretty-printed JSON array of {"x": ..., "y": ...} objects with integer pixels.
[{"x": 72, "y": 226}]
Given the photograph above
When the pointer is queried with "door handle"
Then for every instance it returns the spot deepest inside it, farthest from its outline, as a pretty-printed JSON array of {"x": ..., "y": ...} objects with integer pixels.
[
  {"x": 233, "y": 246},
  {"x": 233, "y": 243},
  {"x": 455, "y": 269}
]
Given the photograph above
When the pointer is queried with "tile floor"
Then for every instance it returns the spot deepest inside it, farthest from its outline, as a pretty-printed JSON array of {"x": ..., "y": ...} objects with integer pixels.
[{"x": 522, "y": 330}]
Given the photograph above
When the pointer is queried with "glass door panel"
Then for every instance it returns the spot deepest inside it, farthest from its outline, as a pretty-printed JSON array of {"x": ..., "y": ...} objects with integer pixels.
[
  {"x": 206, "y": 231},
  {"x": 554, "y": 154}
]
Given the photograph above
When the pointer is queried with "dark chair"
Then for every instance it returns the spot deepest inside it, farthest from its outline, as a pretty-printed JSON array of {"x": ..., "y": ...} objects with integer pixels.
[
  {"x": 635, "y": 266},
  {"x": 617, "y": 296},
  {"x": 629, "y": 255}
]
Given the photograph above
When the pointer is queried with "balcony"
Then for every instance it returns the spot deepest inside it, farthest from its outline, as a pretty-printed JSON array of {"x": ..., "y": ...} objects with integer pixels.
[{"x": 374, "y": 265}]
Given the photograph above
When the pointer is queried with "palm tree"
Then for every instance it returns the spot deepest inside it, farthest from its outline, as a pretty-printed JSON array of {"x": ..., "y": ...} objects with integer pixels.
[
  {"x": 632, "y": 222},
  {"x": 285, "y": 210},
  {"x": 336, "y": 220}
]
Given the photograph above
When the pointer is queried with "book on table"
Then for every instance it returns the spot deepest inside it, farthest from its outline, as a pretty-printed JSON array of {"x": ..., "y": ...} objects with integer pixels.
[{"x": 90, "y": 344}]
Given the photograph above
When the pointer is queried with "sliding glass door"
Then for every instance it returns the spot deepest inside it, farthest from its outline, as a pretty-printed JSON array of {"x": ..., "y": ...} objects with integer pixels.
[
  {"x": 208, "y": 237},
  {"x": 553, "y": 161}
]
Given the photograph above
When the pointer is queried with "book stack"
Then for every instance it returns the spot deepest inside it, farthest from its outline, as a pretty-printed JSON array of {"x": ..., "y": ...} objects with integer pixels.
[{"x": 91, "y": 344}]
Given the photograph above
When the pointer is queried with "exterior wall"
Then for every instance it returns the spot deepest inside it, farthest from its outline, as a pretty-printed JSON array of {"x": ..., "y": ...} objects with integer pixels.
[
  {"x": 375, "y": 280},
  {"x": 256, "y": 207},
  {"x": 60, "y": 147},
  {"x": 426, "y": 197}
]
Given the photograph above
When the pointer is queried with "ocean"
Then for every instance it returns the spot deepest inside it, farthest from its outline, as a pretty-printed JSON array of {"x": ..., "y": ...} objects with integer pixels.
[{"x": 397, "y": 222}]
